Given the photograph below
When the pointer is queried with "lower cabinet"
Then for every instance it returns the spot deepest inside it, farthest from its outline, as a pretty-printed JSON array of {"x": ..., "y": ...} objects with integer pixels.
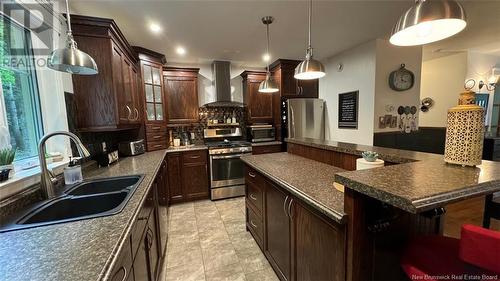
[
  {"x": 299, "y": 242},
  {"x": 142, "y": 253},
  {"x": 188, "y": 175}
]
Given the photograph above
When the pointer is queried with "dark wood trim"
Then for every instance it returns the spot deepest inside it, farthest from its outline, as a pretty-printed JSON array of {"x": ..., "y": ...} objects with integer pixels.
[
  {"x": 149, "y": 55},
  {"x": 110, "y": 24},
  {"x": 253, "y": 75},
  {"x": 282, "y": 62}
]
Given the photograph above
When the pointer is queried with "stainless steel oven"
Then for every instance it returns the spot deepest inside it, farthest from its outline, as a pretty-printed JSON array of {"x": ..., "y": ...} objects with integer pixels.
[
  {"x": 261, "y": 133},
  {"x": 227, "y": 178}
]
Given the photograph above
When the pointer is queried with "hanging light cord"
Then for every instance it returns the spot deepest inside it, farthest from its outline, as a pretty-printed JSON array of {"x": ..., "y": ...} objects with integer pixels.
[
  {"x": 70, "y": 41},
  {"x": 269, "y": 57},
  {"x": 309, "y": 47}
]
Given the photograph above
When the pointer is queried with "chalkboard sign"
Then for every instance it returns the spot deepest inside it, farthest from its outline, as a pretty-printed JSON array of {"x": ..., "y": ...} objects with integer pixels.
[{"x": 348, "y": 110}]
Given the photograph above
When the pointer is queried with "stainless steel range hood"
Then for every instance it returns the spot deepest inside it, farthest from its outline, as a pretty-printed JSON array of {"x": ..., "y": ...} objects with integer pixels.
[{"x": 221, "y": 79}]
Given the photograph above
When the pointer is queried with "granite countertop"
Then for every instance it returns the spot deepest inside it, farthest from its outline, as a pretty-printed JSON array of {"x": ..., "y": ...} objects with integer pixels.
[
  {"x": 266, "y": 143},
  {"x": 80, "y": 250},
  {"x": 187, "y": 148},
  {"x": 306, "y": 179},
  {"x": 422, "y": 182}
]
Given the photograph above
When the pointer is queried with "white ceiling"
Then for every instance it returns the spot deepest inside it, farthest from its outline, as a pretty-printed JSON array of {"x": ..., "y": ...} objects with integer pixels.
[{"x": 232, "y": 29}]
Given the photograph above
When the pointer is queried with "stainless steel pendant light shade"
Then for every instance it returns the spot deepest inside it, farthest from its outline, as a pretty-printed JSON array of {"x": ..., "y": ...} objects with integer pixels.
[
  {"x": 429, "y": 21},
  {"x": 268, "y": 85},
  {"x": 70, "y": 59},
  {"x": 309, "y": 68}
]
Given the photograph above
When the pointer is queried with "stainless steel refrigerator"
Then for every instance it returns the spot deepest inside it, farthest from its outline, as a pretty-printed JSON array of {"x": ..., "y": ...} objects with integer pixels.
[{"x": 306, "y": 118}]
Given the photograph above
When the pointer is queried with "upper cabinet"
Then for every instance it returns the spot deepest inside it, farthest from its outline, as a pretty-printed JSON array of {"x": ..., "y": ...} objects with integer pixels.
[
  {"x": 260, "y": 105},
  {"x": 282, "y": 71},
  {"x": 181, "y": 92},
  {"x": 110, "y": 100}
]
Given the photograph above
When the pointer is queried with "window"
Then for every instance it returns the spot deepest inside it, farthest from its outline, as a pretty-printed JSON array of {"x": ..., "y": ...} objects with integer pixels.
[{"x": 20, "y": 117}]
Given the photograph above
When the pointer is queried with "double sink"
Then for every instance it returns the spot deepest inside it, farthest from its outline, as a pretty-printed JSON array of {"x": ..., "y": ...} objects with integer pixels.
[{"x": 89, "y": 199}]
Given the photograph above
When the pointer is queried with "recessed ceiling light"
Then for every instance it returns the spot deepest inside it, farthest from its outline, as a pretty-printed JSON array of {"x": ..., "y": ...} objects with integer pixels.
[
  {"x": 266, "y": 57},
  {"x": 180, "y": 51},
  {"x": 154, "y": 27}
]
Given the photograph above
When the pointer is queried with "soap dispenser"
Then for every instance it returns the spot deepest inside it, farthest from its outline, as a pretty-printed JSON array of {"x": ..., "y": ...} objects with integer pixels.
[{"x": 73, "y": 173}]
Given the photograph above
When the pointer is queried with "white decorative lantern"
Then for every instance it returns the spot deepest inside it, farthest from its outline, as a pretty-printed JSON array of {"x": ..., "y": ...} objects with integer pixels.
[{"x": 465, "y": 132}]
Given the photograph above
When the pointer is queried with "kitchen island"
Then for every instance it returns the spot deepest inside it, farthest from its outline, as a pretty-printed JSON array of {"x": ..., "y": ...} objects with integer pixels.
[{"x": 382, "y": 208}]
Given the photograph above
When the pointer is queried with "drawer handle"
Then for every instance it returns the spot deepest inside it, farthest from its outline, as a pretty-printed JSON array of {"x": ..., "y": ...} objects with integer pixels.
[
  {"x": 125, "y": 273},
  {"x": 156, "y": 137},
  {"x": 194, "y": 156},
  {"x": 253, "y": 197},
  {"x": 251, "y": 174},
  {"x": 157, "y": 145},
  {"x": 156, "y": 128},
  {"x": 253, "y": 224}
]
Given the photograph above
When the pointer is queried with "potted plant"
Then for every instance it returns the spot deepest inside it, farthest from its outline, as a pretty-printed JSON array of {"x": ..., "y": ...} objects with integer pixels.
[
  {"x": 370, "y": 156},
  {"x": 6, "y": 158}
]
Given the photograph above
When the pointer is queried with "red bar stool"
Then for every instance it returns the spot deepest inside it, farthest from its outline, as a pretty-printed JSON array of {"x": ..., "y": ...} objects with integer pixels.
[{"x": 477, "y": 252}]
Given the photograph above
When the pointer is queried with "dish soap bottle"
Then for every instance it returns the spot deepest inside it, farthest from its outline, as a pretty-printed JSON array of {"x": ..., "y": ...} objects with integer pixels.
[{"x": 73, "y": 173}]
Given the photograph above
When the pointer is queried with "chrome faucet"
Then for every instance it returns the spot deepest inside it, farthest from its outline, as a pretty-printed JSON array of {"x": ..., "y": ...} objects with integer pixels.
[{"x": 47, "y": 178}]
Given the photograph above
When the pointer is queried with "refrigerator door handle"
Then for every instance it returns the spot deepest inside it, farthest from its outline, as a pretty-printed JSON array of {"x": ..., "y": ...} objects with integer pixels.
[{"x": 292, "y": 123}]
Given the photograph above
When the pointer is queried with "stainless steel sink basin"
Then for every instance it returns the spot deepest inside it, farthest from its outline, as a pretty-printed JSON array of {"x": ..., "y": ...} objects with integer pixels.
[
  {"x": 90, "y": 199},
  {"x": 103, "y": 185}
]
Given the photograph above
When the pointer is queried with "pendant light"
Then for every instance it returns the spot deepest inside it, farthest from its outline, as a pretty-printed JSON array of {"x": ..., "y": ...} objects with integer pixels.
[
  {"x": 309, "y": 68},
  {"x": 428, "y": 21},
  {"x": 70, "y": 59},
  {"x": 268, "y": 85}
]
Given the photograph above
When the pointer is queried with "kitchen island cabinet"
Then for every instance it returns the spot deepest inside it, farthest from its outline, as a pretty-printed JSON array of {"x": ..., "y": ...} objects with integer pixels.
[{"x": 292, "y": 222}]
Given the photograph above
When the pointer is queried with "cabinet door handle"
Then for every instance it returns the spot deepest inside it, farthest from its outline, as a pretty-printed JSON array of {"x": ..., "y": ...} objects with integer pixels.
[
  {"x": 251, "y": 174},
  {"x": 253, "y": 197},
  {"x": 129, "y": 112},
  {"x": 125, "y": 273},
  {"x": 253, "y": 224},
  {"x": 284, "y": 205},
  {"x": 137, "y": 114},
  {"x": 290, "y": 215}
]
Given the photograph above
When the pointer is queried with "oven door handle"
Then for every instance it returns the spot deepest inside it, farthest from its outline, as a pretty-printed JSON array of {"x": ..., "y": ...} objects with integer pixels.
[{"x": 228, "y": 156}]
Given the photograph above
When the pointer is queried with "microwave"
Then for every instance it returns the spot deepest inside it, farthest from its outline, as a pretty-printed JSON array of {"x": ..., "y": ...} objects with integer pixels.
[{"x": 261, "y": 133}]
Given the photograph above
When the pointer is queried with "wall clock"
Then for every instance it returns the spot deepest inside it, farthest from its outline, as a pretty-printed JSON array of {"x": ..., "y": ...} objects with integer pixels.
[{"x": 401, "y": 79}]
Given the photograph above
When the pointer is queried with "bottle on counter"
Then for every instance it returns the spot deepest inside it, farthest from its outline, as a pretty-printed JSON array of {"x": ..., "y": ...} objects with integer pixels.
[
  {"x": 73, "y": 173},
  {"x": 233, "y": 119}
]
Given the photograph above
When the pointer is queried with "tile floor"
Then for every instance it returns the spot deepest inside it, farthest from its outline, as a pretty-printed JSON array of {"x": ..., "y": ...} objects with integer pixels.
[{"x": 208, "y": 241}]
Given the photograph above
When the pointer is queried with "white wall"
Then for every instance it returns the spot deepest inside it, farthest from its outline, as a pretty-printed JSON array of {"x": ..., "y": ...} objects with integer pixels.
[
  {"x": 390, "y": 58},
  {"x": 442, "y": 80},
  {"x": 206, "y": 91},
  {"x": 358, "y": 74}
]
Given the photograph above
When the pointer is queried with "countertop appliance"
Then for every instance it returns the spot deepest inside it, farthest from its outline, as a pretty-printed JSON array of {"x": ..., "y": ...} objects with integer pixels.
[
  {"x": 227, "y": 177},
  {"x": 261, "y": 133},
  {"x": 306, "y": 118},
  {"x": 130, "y": 148}
]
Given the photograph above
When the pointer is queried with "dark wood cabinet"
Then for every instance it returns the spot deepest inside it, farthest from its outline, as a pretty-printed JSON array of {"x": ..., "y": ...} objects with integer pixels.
[
  {"x": 299, "y": 242},
  {"x": 260, "y": 105},
  {"x": 264, "y": 149},
  {"x": 188, "y": 175},
  {"x": 283, "y": 71},
  {"x": 181, "y": 91},
  {"x": 108, "y": 100},
  {"x": 277, "y": 243},
  {"x": 318, "y": 245},
  {"x": 174, "y": 166}
]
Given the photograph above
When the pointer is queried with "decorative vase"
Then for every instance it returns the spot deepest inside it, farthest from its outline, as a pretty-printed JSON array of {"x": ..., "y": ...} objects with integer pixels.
[
  {"x": 465, "y": 132},
  {"x": 4, "y": 174}
]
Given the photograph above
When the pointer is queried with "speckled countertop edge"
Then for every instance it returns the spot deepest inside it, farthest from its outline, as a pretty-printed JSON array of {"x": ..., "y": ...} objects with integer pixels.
[
  {"x": 267, "y": 143},
  {"x": 336, "y": 216},
  {"x": 189, "y": 148}
]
